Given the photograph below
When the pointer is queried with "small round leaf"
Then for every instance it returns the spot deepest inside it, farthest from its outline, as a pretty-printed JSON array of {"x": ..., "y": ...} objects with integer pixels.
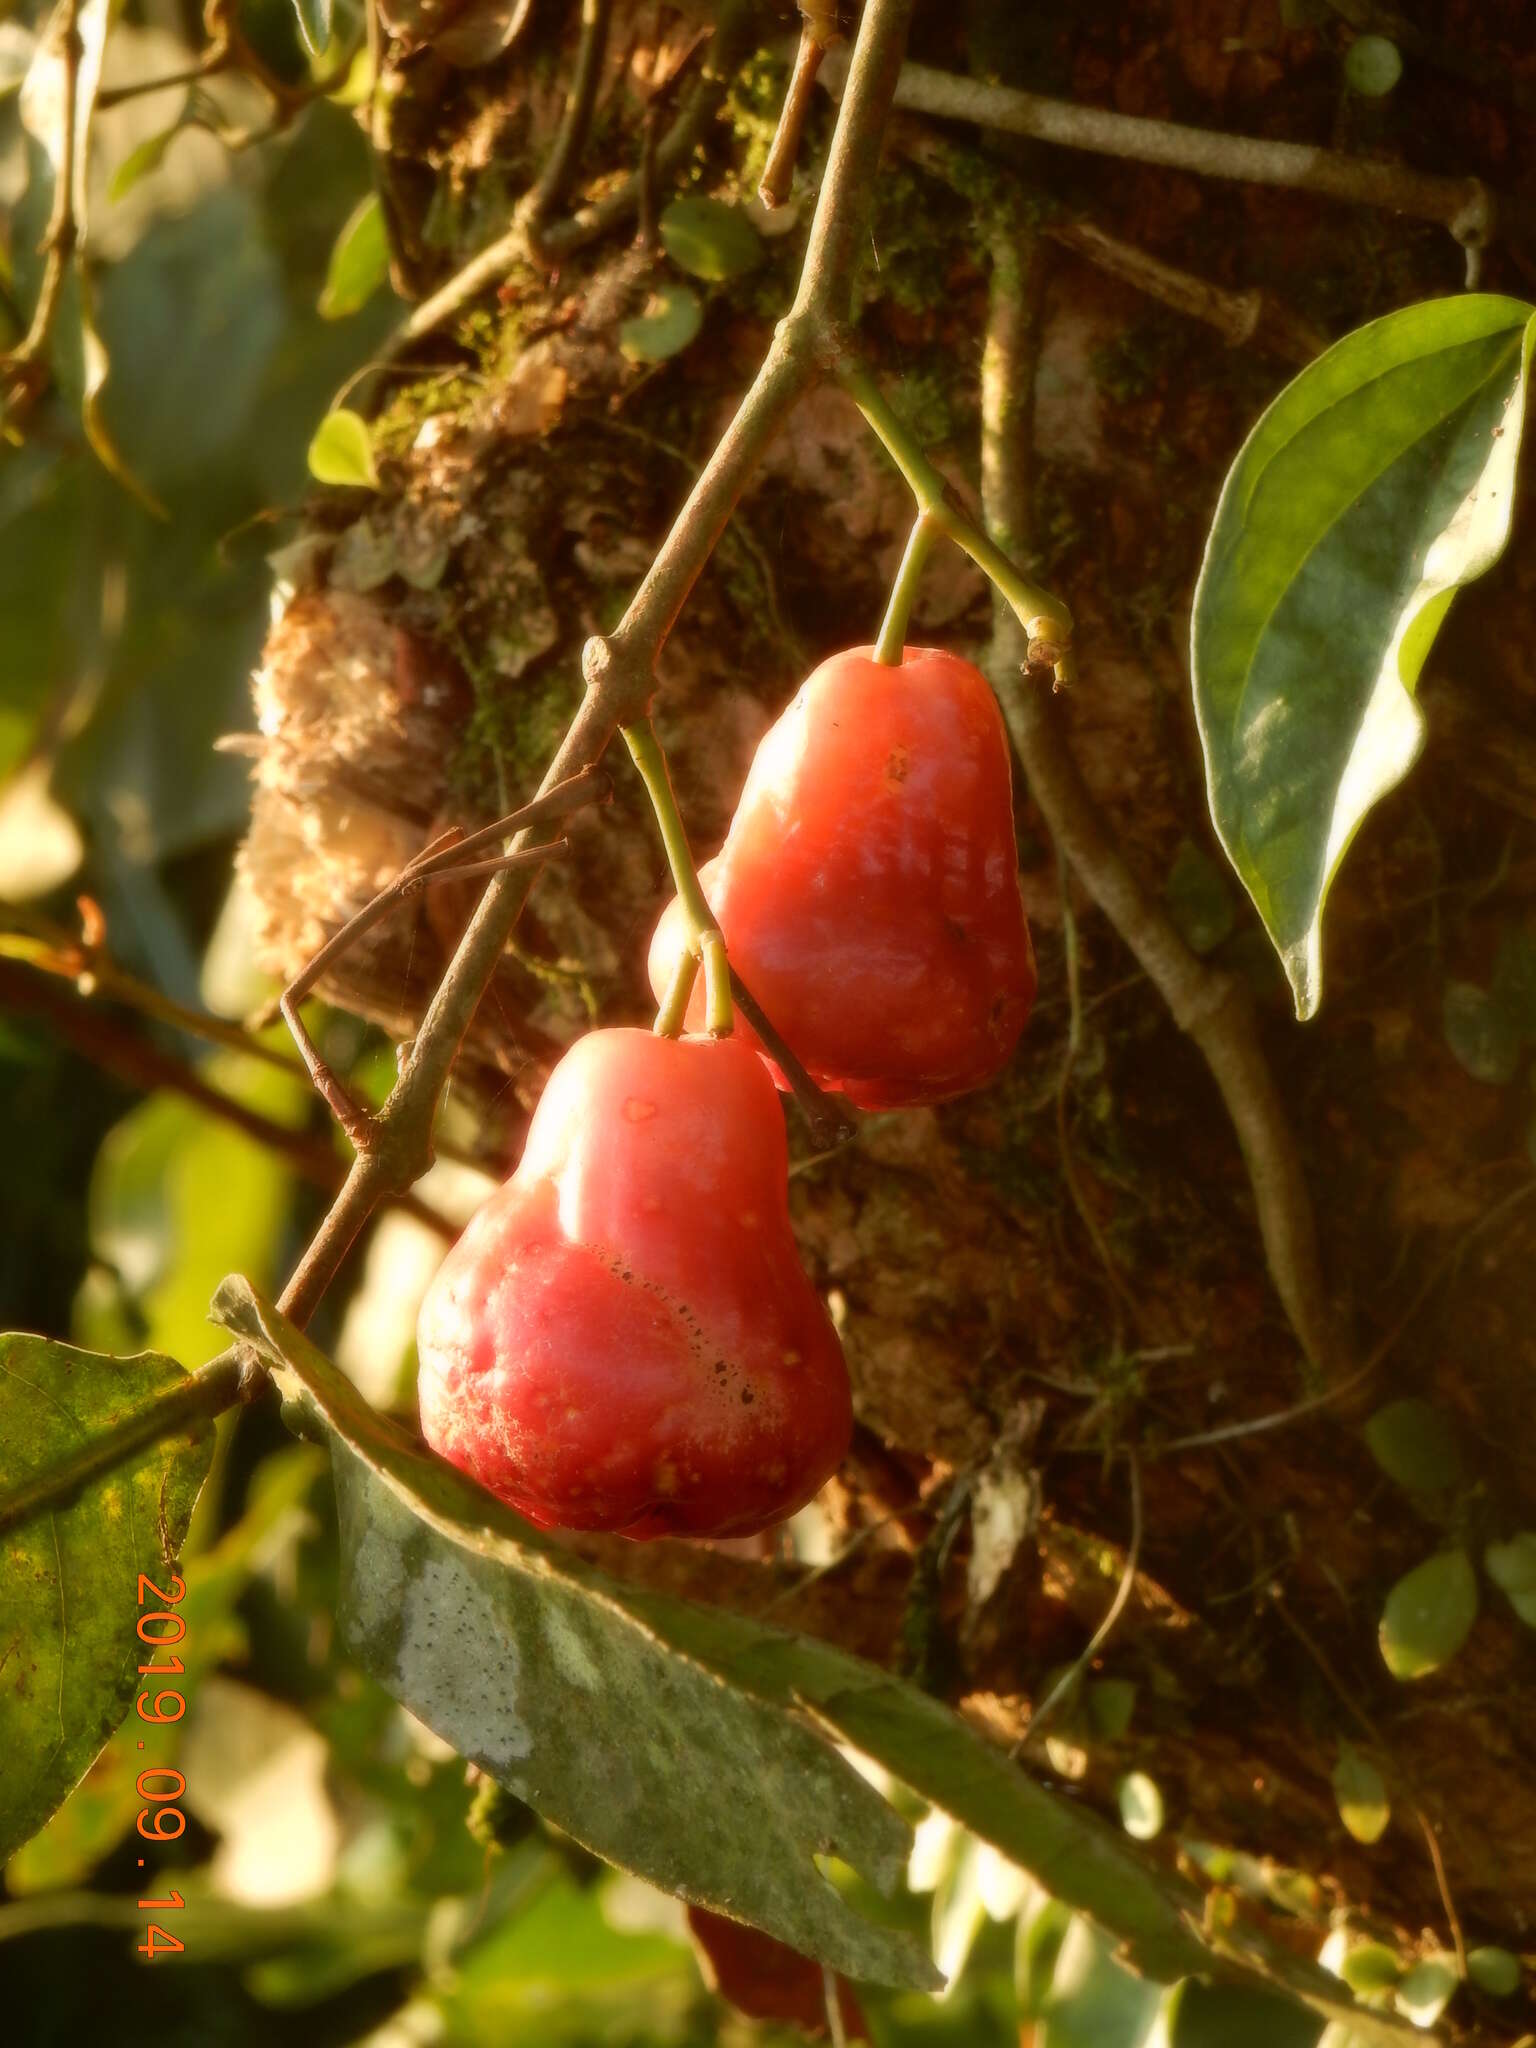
[
  {"x": 1362, "y": 1796},
  {"x": 1427, "y": 1990},
  {"x": 672, "y": 319},
  {"x": 1370, "y": 1967},
  {"x": 1414, "y": 1444},
  {"x": 342, "y": 451},
  {"x": 1373, "y": 66},
  {"x": 1495, "y": 1971},
  {"x": 1141, "y": 1806},
  {"x": 709, "y": 239},
  {"x": 359, "y": 261},
  {"x": 1428, "y": 1615}
]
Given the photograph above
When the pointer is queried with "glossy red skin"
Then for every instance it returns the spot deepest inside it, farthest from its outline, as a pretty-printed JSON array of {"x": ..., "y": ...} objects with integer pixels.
[
  {"x": 868, "y": 887},
  {"x": 768, "y": 1980},
  {"x": 624, "y": 1337}
]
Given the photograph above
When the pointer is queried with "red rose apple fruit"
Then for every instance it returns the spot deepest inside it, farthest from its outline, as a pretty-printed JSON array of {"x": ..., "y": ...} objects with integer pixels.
[
  {"x": 624, "y": 1337},
  {"x": 868, "y": 886}
]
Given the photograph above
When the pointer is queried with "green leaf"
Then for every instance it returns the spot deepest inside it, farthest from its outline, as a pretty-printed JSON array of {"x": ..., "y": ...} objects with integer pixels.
[
  {"x": 1198, "y": 2015},
  {"x": 359, "y": 261},
  {"x": 530, "y": 1664},
  {"x": 577, "y": 1692},
  {"x": 1495, "y": 1971},
  {"x": 1377, "y": 483},
  {"x": 1041, "y": 1934},
  {"x": 145, "y": 157},
  {"x": 70, "y": 1606},
  {"x": 1199, "y": 901},
  {"x": 1373, "y": 65},
  {"x": 1111, "y": 1703},
  {"x": 1481, "y": 1033},
  {"x": 342, "y": 451},
  {"x": 1427, "y": 1989},
  {"x": 1141, "y": 1806},
  {"x": 1370, "y": 1967},
  {"x": 314, "y": 19},
  {"x": 1414, "y": 1444},
  {"x": 672, "y": 319},
  {"x": 1512, "y": 1568},
  {"x": 1361, "y": 1793},
  {"x": 1428, "y": 1615},
  {"x": 1094, "y": 2002},
  {"x": 709, "y": 239}
]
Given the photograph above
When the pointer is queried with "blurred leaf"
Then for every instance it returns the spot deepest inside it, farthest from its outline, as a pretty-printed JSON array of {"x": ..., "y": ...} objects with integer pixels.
[
  {"x": 98, "y": 366},
  {"x": 1512, "y": 1568},
  {"x": 314, "y": 19},
  {"x": 671, "y": 319},
  {"x": 1111, "y": 1704},
  {"x": 70, "y": 1607},
  {"x": 1414, "y": 1444},
  {"x": 359, "y": 262},
  {"x": 18, "y": 46},
  {"x": 1376, "y": 484},
  {"x": 449, "y": 1596},
  {"x": 959, "y": 1910},
  {"x": 1481, "y": 1033},
  {"x": 1093, "y": 2001},
  {"x": 40, "y": 844},
  {"x": 1495, "y": 1971},
  {"x": 1427, "y": 1989},
  {"x": 1041, "y": 1934},
  {"x": 1372, "y": 1966},
  {"x": 145, "y": 157},
  {"x": 1220, "y": 2015},
  {"x": 528, "y": 1662},
  {"x": 342, "y": 451},
  {"x": 1514, "y": 980},
  {"x": 1428, "y": 1615},
  {"x": 1199, "y": 901},
  {"x": 1141, "y": 1806},
  {"x": 1373, "y": 65},
  {"x": 709, "y": 239},
  {"x": 178, "y": 1193},
  {"x": 1361, "y": 1793}
]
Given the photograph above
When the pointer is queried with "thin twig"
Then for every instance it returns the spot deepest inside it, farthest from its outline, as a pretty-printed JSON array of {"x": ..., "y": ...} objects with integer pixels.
[
  {"x": 564, "y": 159},
  {"x": 1453, "y": 1918},
  {"x": 1105, "y": 1629},
  {"x": 836, "y": 2032},
  {"x": 1462, "y": 205},
  {"x": 831, "y": 1118},
  {"x": 1210, "y": 1006},
  {"x": 22, "y": 367},
  {"x": 779, "y": 169}
]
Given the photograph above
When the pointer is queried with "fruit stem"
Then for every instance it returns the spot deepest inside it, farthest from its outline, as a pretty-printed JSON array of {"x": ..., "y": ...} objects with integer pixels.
[
  {"x": 1045, "y": 619},
  {"x": 703, "y": 939},
  {"x": 892, "y": 643}
]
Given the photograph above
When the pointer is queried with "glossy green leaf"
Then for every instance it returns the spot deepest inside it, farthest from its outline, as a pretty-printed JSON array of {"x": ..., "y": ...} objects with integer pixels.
[
  {"x": 69, "y": 1599},
  {"x": 1494, "y": 1970},
  {"x": 671, "y": 319},
  {"x": 1378, "y": 482},
  {"x": 359, "y": 262},
  {"x": 1198, "y": 2015},
  {"x": 314, "y": 19},
  {"x": 342, "y": 451},
  {"x": 709, "y": 239},
  {"x": 1361, "y": 1793},
  {"x": 1428, "y": 1615},
  {"x": 1415, "y": 1444}
]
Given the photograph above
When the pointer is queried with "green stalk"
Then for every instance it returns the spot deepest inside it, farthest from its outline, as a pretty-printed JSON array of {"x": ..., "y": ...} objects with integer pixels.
[
  {"x": 1044, "y": 618},
  {"x": 704, "y": 942},
  {"x": 892, "y": 643}
]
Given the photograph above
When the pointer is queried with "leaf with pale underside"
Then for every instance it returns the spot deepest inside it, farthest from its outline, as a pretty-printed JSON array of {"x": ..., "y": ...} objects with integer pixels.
[
  {"x": 69, "y": 1608},
  {"x": 681, "y": 1741},
  {"x": 1379, "y": 481}
]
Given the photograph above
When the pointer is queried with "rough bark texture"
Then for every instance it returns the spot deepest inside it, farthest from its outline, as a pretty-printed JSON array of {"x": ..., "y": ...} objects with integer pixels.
[{"x": 431, "y": 659}]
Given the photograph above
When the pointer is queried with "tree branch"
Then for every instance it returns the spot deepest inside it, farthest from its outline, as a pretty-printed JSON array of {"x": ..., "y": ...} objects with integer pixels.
[{"x": 1212, "y": 1007}]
